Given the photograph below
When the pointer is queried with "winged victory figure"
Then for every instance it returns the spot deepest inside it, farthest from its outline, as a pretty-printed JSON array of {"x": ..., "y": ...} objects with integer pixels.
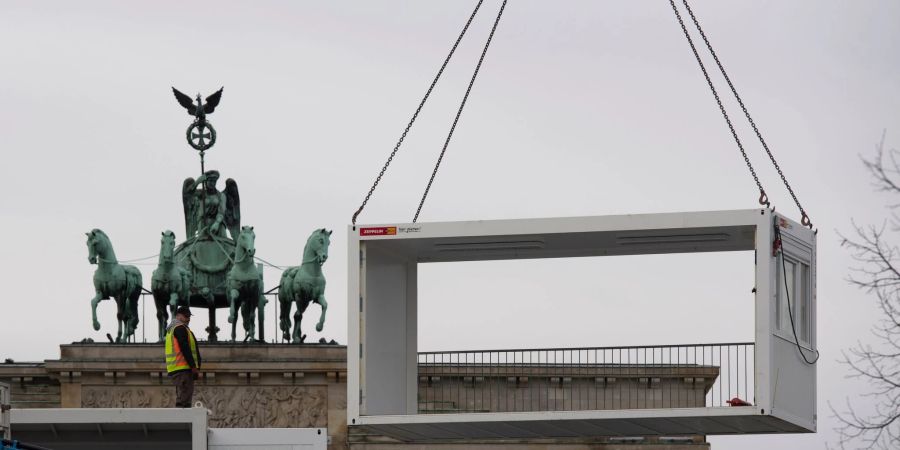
[{"x": 209, "y": 212}]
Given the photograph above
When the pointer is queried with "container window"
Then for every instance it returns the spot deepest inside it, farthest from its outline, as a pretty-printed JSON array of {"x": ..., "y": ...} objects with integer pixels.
[
  {"x": 803, "y": 309},
  {"x": 786, "y": 283}
]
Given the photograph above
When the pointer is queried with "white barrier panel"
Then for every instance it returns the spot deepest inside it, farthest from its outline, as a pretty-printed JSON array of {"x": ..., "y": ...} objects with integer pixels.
[{"x": 268, "y": 438}]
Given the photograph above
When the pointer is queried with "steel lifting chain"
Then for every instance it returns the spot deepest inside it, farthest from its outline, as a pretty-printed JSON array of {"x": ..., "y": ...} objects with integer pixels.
[
  {"x": 763, "y": 198},
  {"x": 805, "y": 218},
  {"x": 418, "y": 110},
  {"x": 459, "y": 111}
]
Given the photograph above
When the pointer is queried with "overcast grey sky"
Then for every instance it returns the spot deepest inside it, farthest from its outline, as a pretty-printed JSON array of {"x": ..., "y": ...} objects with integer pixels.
[{"x": 582, "y": 108}]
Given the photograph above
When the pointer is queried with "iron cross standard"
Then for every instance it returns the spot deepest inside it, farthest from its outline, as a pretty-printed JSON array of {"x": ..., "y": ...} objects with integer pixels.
[{"x": 200, "y": 134}]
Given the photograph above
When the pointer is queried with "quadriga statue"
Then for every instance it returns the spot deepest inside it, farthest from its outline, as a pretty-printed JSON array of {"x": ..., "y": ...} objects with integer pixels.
[
  {"x": 304, "y": 284},
  {"x": 113, "y": 280}
]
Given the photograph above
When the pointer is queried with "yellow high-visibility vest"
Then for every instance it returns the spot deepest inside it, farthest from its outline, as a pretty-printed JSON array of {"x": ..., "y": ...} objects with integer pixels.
[{"x": 175, "y": 359}]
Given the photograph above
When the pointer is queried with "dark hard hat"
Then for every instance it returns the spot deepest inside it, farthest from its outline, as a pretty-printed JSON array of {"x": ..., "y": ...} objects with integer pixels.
[{"x": 183, "y": 310}]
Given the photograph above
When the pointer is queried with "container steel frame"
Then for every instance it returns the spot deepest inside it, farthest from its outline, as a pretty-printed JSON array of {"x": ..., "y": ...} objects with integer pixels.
[
  {"x": 382, "y": 350},
  {"x": 4, "y": 411},
  {"x": 133, "y": 423}
]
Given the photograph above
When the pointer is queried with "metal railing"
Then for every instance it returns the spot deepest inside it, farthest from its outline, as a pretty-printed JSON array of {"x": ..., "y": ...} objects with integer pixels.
[{"x": 574, "y": 379}]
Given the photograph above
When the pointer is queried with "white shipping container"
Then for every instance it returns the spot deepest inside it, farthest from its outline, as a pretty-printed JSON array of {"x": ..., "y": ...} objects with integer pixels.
[{"x": 383, "y": 343}]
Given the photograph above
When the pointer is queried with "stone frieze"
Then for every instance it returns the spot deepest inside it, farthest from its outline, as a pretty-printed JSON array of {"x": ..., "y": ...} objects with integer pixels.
[{"x": 231, "y": 406}]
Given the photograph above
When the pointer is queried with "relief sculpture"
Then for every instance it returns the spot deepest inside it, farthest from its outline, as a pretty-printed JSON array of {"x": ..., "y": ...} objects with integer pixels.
[{"x": 231, "y": 406}]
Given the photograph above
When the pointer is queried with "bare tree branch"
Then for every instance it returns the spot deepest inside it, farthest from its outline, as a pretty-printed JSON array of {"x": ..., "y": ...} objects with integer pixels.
[
  {"x": 877, "y": 272},
  {"x": 887, "y": 178}
]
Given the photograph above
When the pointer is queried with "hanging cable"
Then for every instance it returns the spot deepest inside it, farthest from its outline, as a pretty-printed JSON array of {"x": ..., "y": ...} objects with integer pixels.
[
  {"x": 763, "y": 198},
  {"x": 268, "y": 264},
  {"x": 462, "y": 105},
  {"x": 138, "y": 259},
  {"x": 787, "y": 295},
  {"x": 416, "y": 114},
  {"x": 804, "y": 217}
]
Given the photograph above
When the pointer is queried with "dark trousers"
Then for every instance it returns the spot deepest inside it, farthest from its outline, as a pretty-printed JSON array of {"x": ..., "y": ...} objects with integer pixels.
[{"x": 184, "y": 388}]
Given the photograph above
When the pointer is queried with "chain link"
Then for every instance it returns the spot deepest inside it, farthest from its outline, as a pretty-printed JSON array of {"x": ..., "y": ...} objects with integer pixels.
[
  {"x": 459, "y": 112},
  {"x": 805, "y": 218},
  {"x": 763, "y": 198},
  {"x": 416, "y": 114}
]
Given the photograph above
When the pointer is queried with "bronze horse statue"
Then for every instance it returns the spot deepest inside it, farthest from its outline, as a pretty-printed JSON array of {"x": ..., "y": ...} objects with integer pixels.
[
  {"x": 244, "y": 285},
  {"x": 171, "y": 283},
  {"x": 114, "y": 280},
  {"x": 304, "y": 284}
]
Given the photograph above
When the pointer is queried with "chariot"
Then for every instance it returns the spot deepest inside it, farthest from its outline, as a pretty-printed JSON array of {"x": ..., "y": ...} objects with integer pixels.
[
  {"x": 207, "y": 261},
  {"x": 216, "y": 260}
]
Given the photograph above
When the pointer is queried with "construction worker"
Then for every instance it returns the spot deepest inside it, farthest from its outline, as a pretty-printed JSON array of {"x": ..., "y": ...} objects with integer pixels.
[{"x": 182, "y": 357}]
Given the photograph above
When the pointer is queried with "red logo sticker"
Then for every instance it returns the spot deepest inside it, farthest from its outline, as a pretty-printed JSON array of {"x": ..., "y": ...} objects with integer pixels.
[{"x": 378, "y": 231}]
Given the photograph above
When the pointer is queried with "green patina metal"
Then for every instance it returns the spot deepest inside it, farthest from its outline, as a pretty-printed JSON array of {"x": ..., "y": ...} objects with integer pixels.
[
  {"x": 207, "y": 211},
  {"x": 215, "y": 266},
  {"x": 200, "y": 134},
  {"x": 244, "y": 286},
  {"x": 304, "y": 284},
  {"x": 171, "y": 283},
  {"x": 196, "y": 272},
  {"x": 113, "y": 280},
  {"x": 207, "y": 254}
]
